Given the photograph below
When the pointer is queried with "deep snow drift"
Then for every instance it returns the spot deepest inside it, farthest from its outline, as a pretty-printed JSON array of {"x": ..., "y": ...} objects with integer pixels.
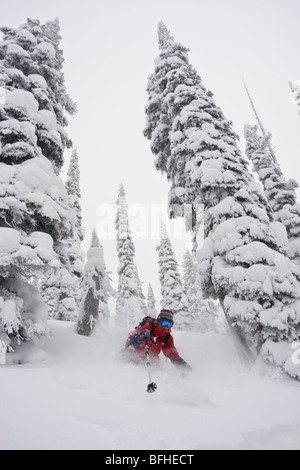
[{"x": 76, "y": 393}]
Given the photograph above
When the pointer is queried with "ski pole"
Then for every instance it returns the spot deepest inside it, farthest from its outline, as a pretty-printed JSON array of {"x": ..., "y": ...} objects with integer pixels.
[{"x": 151, "y": 387}]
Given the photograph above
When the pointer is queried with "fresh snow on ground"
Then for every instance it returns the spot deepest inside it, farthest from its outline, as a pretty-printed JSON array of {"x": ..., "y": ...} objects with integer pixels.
[{"x": 75, "y": 392}]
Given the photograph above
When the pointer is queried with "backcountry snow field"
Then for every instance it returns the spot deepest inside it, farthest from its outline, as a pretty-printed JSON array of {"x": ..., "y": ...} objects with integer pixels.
[{"x": 74, "y": 392}]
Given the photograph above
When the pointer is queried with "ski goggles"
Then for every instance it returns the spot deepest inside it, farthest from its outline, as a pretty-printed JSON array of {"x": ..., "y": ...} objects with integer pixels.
[{"x": 166, "y": 323}]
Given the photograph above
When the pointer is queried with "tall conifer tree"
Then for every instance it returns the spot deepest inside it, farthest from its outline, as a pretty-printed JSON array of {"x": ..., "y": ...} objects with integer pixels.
[
  {"x": 96, "y": 290},
  {"x": 129, "y": 307},
  {"x": 151, "y": 304},
  {"x": 243, "y": 262},
  {"x": 61, "y": 289},
  {"x": 34, "y": 203},
  {"x": 172, "y": 294},
  {"x": 202, "y": 314},
  {"x": 280, "y": 193}
]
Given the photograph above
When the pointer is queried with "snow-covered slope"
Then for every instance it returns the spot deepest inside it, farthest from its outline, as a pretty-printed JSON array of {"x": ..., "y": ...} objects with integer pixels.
[{"x": 76, "y": 393}]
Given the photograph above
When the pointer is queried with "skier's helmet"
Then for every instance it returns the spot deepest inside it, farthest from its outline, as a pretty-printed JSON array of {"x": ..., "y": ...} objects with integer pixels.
[{"x": 166, "y": 318}]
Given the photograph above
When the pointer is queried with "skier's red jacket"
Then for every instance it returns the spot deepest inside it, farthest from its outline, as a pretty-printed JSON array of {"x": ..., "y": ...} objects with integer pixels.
[{"x": 161, "y": 340}]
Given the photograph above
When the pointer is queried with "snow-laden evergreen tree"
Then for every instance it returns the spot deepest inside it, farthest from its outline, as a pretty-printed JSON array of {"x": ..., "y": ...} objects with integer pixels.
[
  {"x": 95, "y": 242},
  {"x": 280, "y": 193},
  {"x": 34, "y": 202},
  {"x": 74, "y": 193},
  {"x": 61, "y": 289},
  {"x": 142, "y": 298},
  {"x": 106, "y": 290},
  {"x": 75, "y": 255},
  {"x": 295, "y": 87},
  {"x": 96, "y": 290},
  {"x": 172, "y": 293},
  {"x": 202, "y": 314},
  {"x": 130, "y": 301},
  {"x": 151, "y": 303},
  {"x": 243, "y": 262},
  {"x": 23, "y": 314}
]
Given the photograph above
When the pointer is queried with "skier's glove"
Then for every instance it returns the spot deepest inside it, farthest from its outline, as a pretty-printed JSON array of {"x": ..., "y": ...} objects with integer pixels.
[
  {"x": 181, "y": 364},
  {"x": 143, "y": 336},
  {"x": 139, "y": 338}
]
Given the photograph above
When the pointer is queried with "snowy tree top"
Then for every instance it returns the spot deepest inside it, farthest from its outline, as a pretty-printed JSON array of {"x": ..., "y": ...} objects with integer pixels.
[
  {"x": 164, "y": 36},
  {"x": 95, "y": 243},
  {"x": 163, "y": 231},
  {"x": 121, "y": 190},
  {"x": 72, "y": 183}
]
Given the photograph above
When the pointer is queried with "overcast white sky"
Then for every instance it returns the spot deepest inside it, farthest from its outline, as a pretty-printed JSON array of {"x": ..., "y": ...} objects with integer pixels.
[{"x": 110, "y": 47}]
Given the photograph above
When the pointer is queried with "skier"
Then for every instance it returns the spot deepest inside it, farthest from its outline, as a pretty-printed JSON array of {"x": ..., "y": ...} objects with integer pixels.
[{"x": 157, "y": 334}]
